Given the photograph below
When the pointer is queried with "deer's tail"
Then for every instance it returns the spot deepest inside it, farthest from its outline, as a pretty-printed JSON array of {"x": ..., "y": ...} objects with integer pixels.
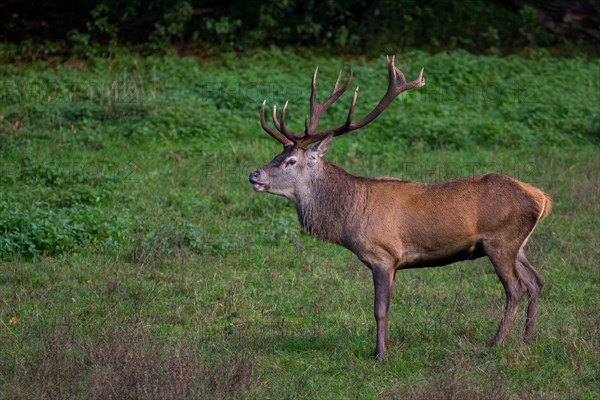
[
  {"x": 542, "y": 200},
  {"x": 546, "y": 206}
]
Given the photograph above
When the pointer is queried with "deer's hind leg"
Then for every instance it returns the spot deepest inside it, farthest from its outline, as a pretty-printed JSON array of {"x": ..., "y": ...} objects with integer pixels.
[
  {"x": 534, "y": 283},
  {"x": 505, "y": 264}
]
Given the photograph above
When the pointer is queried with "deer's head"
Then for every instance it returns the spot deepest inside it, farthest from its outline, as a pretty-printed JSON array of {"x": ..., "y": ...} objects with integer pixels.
[
  {"x": 290, "y": 169},
  {"x": 297, "y": 163}
]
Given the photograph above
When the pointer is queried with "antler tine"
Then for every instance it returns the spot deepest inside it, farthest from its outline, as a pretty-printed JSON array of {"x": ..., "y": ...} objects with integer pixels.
[
  {"x": 282, "y": 139},
  {"x": 421, "y": 79},
  {"x": 337, "y": 93},
  {"x": 282, "y": 123},
  {"x": 392, "y": 73},
  {"x": 313, "y": 89},
  {"x": 275, "y": 121},
  {"x": 397, "y": 72},
  {"x": 337, "y": 82},
  {"x": 400, "y": 75},
  {"x": 351, "y": 110},
  {"x": 417, "y": 83}
]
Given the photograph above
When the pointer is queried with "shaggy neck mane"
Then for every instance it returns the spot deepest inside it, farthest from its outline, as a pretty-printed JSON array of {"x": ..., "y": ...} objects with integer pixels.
[{"x": 326, "y": 204}]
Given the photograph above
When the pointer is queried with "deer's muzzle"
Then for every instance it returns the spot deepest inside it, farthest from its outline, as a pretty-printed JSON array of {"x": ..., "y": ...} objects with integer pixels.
[{"x": 258, "y": 181}]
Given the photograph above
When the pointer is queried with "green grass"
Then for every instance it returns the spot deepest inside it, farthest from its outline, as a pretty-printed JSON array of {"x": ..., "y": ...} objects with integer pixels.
[{"x": 140, "y": 264}]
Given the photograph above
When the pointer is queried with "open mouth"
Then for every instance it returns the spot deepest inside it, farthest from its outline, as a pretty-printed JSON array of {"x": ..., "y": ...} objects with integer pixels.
[{"x": 259, "y": 187}]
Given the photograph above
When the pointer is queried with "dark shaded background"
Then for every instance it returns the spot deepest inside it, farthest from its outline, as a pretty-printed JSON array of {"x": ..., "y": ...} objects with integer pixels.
[{"x": 344, "y": 25}]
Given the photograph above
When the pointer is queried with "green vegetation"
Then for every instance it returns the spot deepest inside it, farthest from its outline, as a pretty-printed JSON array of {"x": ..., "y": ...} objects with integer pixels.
[
  {"x": 138, "y": 263},
  {"x": 64, "y": 28}
]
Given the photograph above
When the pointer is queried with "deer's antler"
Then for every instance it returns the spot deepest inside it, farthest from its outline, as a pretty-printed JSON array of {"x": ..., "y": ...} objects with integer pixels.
[{"x": 397, "y": 84}]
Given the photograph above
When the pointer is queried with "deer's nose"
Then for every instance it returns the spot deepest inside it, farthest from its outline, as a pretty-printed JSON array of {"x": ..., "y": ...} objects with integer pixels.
[{"x": 255, "y": 175}]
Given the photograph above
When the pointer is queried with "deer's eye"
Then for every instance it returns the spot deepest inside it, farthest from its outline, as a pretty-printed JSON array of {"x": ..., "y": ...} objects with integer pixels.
[{"x": 290, "y": 162}]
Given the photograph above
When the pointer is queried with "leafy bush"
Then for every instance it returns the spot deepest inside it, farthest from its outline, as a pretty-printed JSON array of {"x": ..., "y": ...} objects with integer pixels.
[
  {"x": 50, "y": 209},
  {"x": 40, "y": 230},
  {"x": 355, "y": 26}
]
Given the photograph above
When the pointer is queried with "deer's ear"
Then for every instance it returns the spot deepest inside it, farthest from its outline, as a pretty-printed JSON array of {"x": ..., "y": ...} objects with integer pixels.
[{"x": 319, "y": 149}]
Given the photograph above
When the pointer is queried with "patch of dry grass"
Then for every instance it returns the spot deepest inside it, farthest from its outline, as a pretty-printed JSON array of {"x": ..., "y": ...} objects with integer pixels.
[{"x": 128, "y": 363}]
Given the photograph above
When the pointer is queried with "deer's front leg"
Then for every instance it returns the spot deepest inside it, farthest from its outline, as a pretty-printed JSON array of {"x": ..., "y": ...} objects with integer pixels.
[{"x": 383, "y": 279}]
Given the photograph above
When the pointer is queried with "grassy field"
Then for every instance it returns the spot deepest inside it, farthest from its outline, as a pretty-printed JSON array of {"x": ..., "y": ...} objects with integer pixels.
[{"x": 137, "y": 263}]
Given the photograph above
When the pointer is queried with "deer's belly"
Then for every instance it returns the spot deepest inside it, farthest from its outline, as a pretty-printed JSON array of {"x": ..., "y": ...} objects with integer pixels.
[{"x": 413, "y": 257}]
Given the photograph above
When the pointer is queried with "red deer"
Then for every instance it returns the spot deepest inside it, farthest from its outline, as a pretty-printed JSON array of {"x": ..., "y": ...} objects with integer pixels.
[{"x": 392, "y": 224}]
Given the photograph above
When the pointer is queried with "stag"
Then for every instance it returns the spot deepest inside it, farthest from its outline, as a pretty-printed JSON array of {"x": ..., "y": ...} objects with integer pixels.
[{"x": 390, "y": 224}]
